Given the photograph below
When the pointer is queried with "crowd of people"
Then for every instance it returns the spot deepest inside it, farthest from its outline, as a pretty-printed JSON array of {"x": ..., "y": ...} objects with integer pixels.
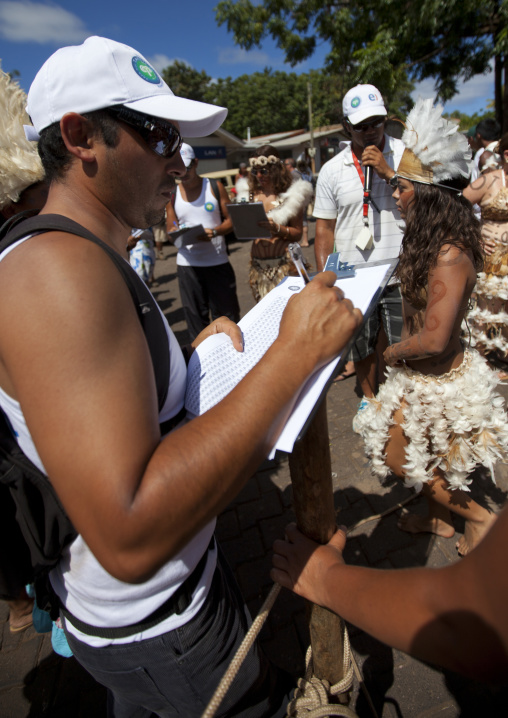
[{"x": 147, "y": 601}]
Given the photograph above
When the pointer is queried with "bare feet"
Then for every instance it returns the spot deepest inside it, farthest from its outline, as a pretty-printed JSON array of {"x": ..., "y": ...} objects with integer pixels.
[
  {"x": 473, "y": 534},
  {"x": 415, "y": 524}
]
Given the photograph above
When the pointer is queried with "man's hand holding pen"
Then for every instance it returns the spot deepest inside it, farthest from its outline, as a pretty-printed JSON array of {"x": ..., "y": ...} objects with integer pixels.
[{"x": 319, "y": 319}]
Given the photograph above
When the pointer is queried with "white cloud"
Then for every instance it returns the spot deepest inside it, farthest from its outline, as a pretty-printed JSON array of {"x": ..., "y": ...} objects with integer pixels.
[
  {"x": 472, "y": 96},
  {"x": 235, "y": 55},
  {"x": 25, "y": 21},
  {"x": 161, "y": 61}
]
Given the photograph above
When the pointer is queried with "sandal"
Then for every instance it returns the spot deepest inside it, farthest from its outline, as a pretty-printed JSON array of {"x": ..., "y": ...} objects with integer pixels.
[{"x": 344, "y": 375}]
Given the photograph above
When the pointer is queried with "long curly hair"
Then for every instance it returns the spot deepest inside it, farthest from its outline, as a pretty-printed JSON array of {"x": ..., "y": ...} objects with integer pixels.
[
  {"x": 280, "y": 177},
  {"x": 435, "y": 217}
]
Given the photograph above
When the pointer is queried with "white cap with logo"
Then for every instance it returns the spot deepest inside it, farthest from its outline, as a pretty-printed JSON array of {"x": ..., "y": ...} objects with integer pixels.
[
  {"x": 361, "y": 102},
  {"x": 187, "y": 153},
  {"x": 101, "y": 73}
]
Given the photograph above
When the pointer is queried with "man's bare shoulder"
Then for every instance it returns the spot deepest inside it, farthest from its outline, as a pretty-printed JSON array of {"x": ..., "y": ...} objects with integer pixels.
[
  {"x": 57, "y": 262},
  {"x": 59, "y": 290}
]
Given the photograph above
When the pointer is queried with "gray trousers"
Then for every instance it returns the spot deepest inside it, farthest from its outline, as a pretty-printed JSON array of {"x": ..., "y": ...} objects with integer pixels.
[{"x": 176, "y": 674}]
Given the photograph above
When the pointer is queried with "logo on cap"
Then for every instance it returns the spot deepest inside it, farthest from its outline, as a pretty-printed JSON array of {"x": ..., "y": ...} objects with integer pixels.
[
  {"x": 145, "y": 71},
  {"x": 355, "y": 102},
  {"x": 372, "y": 97}
]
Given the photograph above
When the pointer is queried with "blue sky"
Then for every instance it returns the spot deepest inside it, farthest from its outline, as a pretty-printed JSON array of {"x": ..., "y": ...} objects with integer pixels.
[{"x": 30, "y": 31}]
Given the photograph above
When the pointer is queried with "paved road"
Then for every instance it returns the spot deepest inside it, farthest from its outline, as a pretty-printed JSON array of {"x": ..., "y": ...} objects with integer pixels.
[{"x": 35, "y": 683}]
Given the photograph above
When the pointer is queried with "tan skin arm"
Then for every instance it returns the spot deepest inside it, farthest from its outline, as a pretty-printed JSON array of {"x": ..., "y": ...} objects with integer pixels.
[
  {"x": 90, "y": 402},
  {"x": 484, "y": 186},
  {"x": 449, "y": 286},
  {"x": 171, "y": 219},
  {"x": 290, "y": 232},
  {"x": 454, "y": 616},
  {"x": 324, "y": 241}
]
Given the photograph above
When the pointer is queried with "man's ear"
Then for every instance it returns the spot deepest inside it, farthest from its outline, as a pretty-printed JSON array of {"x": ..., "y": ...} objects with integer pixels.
[{"x": 78, "y": 136}]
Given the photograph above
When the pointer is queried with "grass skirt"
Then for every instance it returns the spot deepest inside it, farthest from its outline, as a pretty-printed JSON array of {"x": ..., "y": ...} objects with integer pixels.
[{"x": 453, "y": 422}]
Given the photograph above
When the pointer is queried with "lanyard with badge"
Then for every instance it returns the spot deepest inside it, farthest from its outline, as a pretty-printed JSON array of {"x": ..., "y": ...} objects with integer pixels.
[{"x": 365, "y": 239}]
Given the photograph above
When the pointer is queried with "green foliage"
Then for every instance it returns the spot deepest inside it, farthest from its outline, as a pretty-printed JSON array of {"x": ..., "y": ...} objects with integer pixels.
[
  {"x": 185, "y": 81},
  {"x": 373, "y": 40},
  {"x": 269, "y": 102},
  {"x": 264, "y": 101},
  {"x": 468, "y": 121}
]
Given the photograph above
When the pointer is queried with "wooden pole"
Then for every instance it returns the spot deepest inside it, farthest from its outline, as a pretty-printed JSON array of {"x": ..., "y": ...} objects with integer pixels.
[
  {"x": 312, "y": 151},
  {"x": 311, "y": 477}
]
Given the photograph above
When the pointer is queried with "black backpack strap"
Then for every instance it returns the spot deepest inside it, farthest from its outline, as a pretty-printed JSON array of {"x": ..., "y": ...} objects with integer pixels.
[
  {"x": 146, "y": 307},
  {"x": 216, "y": 193}
]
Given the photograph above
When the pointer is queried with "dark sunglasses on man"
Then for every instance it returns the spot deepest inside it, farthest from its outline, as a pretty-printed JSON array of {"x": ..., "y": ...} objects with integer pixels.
[
  {"x": 160, "y": 135},
  {"x": 364, "y": 126}
]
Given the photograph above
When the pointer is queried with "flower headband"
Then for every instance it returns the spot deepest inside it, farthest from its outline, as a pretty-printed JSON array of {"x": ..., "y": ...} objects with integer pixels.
[{"x": 261, "y": 161}]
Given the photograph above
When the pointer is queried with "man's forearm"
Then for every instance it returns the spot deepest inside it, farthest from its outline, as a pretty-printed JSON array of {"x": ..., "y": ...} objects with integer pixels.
[
  {"x": 196, "y": 471},
  {"x": 432, "y": 614},
  {"x": 217, "y": 453},
  {"x": 324, "y": 241}
]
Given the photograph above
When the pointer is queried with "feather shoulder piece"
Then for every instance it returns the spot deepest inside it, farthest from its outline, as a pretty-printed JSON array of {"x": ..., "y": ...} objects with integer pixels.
[
  {"x": 289, "y": 203},
  {"x": 20, "y": 165}
]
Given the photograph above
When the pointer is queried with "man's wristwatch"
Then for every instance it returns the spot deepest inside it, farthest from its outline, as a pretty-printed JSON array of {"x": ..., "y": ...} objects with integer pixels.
[{"x": 214, "y": 232}]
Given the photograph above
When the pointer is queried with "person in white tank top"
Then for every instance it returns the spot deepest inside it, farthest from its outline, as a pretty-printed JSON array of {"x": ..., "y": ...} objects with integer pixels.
[{"x": 205, "y": 276}]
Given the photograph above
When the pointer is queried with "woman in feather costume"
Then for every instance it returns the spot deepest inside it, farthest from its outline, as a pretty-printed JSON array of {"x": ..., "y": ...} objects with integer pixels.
[
  {"x": 284, "y": 202},
  {"x": 438, "y": 415},
  {"x": 489, "y": 319}
]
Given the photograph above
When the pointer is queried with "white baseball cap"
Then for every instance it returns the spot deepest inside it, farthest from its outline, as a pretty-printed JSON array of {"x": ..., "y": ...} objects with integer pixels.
[
  {"x": 101, "y": 73},
  {"x": 187, "y": 153},
  {"x": 361, "y": 102}
]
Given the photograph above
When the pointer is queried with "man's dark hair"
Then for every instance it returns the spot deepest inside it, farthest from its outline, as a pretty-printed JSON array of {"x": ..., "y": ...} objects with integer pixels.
[
  {"x": 55, "y": 156},
  {"x": 489, "y": 130}
]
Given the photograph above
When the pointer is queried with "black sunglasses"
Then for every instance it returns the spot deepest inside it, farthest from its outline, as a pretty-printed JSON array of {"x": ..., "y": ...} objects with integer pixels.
[
  {"x": 161, "y": 136},
  {"x": 366, "y": 125},
  {"x": 260, "y": 171}
]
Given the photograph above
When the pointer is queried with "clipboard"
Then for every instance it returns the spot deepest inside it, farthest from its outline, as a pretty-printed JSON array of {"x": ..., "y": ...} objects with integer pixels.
[
  {"x": 391, "y": 267},
  {"x": 246, "y": 217},
  {"x": 216, "y": 367},
  {"x": 186, "y": 235}
]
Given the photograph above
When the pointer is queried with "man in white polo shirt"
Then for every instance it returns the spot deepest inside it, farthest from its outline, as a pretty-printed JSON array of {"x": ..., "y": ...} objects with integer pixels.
[{"x": 338, "y": 208}]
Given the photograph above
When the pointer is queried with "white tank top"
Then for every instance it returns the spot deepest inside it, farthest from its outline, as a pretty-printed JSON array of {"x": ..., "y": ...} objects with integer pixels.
[
  {"x": 87, "y": 590},
  {"x": 204, "y": 210}
]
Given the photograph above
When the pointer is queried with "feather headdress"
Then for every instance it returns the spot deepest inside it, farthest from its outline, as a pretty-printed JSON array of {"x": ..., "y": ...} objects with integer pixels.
[
  {"x": 20, "y": 165},
  {"x": 435, "y": 149}
]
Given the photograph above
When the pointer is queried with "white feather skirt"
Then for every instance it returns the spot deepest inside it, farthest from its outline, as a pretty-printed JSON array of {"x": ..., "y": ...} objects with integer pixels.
[{"x": 453, "y": 422}]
